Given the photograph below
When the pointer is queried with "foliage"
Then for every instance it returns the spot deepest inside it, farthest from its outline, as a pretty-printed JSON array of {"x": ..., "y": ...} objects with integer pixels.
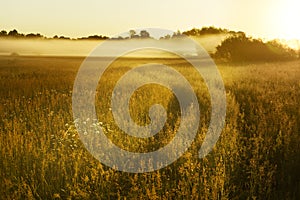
[
  {"x": 239, "y": 48},
  {"x": 205, "y": 31},
  {"x": 94, "y": 37},
  {"x": 14, "y": 34}
]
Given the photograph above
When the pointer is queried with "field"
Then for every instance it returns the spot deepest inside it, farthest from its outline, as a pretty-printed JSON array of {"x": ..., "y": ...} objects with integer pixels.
[{"x": 42, "y": 157}]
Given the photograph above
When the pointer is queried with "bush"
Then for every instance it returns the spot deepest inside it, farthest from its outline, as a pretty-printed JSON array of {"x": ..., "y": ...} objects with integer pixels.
[{"x": 239, "y": 48}]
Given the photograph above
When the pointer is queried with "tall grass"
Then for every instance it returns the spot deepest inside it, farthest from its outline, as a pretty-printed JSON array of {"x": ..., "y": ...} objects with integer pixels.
[{"x": 256, "y": 157}]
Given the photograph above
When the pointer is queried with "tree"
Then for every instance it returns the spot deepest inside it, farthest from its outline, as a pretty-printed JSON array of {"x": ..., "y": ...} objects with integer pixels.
[
  {"x": 132, "y": 33},
  {"x": 205, "y": 31},
  {"x": 34, "y": 36},
  {"x": 192, "y": 32},
  {"x": 13, "y": 33},
  {"x": 166, "y": 37},
  {"x": 3, "y": 33},
  {"x": 64, "y": 38},
  {"x": 177, "y": 34},
  {"x": 212, "y": 30},
  {"x": 144, "y": 34},
  {"x": 239, "y": 48}
]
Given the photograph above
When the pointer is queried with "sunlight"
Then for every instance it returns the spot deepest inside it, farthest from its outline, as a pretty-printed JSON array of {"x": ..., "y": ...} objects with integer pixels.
[{"x": 288, "y": 19}]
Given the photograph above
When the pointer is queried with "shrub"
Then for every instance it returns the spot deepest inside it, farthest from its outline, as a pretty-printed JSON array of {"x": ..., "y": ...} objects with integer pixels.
[{"x": 239, "y": 48}]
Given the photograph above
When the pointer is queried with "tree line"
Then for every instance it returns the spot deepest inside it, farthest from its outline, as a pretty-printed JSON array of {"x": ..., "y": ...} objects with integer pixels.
[
  {"x": 237, "y": 47},
  {"x": 143, "y": 34},
  {"x": 14, "y": 34}
]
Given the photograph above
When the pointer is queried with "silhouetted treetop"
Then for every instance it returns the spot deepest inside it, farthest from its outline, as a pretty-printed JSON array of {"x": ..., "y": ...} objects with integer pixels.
[
  {"x": 144, "y": 34},
  {"x": 175, "y": 35},
  {"x": 16, "y": 35},
  {"x": 133, "y": 35},
  {"x": 239, "y": 48},
  {"x": 205, "y": 31},
  {"x": 94, "y": 37},
  {"x": 3, "y": 33},
  {"x": 32, "y": 35}
]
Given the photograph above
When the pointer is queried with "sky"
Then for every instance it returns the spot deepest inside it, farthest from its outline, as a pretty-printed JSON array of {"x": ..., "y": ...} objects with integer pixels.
[{"x": 266, "y": 19}]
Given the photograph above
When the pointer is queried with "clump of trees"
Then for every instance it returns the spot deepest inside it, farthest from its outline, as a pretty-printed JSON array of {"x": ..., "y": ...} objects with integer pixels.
[
  {"x": 240, "y": 48},
  {"x": 134, "y": 35},
  {"x": 205, "y": 31},
  {"x": 94, "y": 37},
  {"x": 195, "y": 32},
  {"x": 14, "y": 34},
  {"x": 143, "y": 34},
  {"x": 175, "y": 35},
  {"x": 198, "y": 32}
]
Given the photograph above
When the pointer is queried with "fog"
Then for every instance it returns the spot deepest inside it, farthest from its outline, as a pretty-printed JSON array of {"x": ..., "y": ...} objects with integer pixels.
[
  {"x": 36, "y": 47},
  {"x": 210, "y": 42},
  {"x": 46, "y": 47}
]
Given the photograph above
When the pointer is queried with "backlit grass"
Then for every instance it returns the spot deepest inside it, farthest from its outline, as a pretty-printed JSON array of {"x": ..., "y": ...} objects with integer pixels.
[{"x": 256, "y": 157}]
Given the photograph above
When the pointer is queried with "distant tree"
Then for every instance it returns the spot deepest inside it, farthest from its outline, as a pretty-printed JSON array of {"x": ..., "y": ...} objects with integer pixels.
[
  {"x": 3, "y": 33},
  {"x": 34, "y": 36},
  {"x": 239, "y": 48},
  {"x": 177, "y": 34},
  {"x": 96, "y": 37},
  {"x": 132, "y": 33},
  {"x": 192, "y": 32},
  {"x": 64, "y": 38},
  {"x": 205, "y": 31},
  {"x": 144, "y": 34},
  {"x": 13, "y": 33},
  {"x": 212, "y": 30},
  {"x": 166, "y": 37}
]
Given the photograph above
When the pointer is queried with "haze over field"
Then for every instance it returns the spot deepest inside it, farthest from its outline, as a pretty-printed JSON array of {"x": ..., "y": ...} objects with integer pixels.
[
  {"x": 46, "y": 48},
  {"x": 83, "y": 48}
]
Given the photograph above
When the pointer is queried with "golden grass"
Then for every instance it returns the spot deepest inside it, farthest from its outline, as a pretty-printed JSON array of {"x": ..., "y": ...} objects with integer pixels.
[{"x": 256, "y": 157}]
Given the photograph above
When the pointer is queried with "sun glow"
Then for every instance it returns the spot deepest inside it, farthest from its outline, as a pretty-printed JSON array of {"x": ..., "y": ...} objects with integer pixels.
[{"x": 287, "y": 23}]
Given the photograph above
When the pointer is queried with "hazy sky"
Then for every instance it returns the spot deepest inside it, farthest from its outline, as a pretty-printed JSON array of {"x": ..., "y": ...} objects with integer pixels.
[{"x": 259, "y": 18}]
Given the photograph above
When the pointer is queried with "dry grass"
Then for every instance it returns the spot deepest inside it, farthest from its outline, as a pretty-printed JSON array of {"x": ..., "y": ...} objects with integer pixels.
[{"x": 256, "y": 157}]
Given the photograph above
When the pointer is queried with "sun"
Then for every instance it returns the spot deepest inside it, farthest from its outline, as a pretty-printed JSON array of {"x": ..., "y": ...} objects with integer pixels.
[{"x": 288, "y": 19}]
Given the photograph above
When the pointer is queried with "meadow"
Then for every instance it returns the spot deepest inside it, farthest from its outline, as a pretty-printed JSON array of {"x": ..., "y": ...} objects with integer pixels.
[{"x": 256, "y": 157}]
